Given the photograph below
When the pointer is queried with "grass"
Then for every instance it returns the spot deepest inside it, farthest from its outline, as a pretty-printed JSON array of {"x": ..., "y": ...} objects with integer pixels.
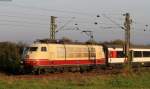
[{"x": 78, "y": 81}]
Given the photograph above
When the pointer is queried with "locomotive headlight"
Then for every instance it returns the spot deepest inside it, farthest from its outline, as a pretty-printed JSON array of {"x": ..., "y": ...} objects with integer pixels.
[{"x": 21, "y": 62}]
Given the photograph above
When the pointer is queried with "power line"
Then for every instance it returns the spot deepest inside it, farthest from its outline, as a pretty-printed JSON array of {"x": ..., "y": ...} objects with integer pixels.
[
  {"x": 41, "y": 19},
  {"x": 79, "y": 23},
  {"x": 104, "y": 15},
  {"x": 39, "y": 15},
  {"x": 24, "y": 22},
  {"x": 45, "y": 9},
  {"x": 22, "y": 25},
  {"x": 22, "y": 17},
  {"x": 66, "y": 24},
  {"x": 33, "y": 16},
  {"x": 61, "y": 11}
]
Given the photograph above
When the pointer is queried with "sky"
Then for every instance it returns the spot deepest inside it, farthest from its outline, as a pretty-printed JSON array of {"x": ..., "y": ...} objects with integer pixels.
[{"x": 28, "y": 20}]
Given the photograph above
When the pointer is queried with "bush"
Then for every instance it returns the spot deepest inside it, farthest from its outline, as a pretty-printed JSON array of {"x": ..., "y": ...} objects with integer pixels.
[{"x": 10, "y": 56}]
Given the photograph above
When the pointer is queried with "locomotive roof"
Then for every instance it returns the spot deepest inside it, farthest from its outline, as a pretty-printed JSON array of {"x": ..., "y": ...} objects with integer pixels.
[
  {"x": 63, "y": 42},
  {"x": 47, "y": 41}
]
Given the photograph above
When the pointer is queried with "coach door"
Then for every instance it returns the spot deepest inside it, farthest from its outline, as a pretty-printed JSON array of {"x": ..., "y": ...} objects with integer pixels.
[{"x": 92, "y": 55}]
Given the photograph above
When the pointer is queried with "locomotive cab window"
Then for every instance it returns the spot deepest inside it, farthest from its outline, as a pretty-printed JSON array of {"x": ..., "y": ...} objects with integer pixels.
[
  {"x": 33, "y": 48},
  {"x": 43, "y": 49}
]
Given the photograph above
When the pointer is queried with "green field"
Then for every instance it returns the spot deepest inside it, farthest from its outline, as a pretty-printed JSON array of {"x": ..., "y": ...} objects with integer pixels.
[{"x": 77, "y": 81}]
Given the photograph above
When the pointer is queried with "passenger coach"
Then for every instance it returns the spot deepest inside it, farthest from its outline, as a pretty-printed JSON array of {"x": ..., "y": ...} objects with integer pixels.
[{"x": 139, "y": 56}]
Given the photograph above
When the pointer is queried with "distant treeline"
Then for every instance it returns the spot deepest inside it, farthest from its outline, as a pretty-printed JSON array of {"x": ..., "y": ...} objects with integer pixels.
[
  {"x": 120, "y": 42},
  {"x": 10, "y": 54}
]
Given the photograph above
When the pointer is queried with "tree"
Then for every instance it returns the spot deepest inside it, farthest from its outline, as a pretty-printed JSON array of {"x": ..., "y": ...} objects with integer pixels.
[
  {"x": 65, "y": 39},
  {"x": 10, "y": 55}
]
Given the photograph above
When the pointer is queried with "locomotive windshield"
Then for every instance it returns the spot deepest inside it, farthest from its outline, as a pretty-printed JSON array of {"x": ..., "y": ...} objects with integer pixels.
[{"x": 33, "y": 48}]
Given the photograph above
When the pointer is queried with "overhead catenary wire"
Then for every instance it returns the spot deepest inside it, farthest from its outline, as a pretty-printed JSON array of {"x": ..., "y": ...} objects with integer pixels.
[
  {"x": 24, "y": 22},
  {"x": 10, "y": 20},
  {"x": 54, "y": 10},
  {"x": 21, "y": 25},
  {"x": 105, "y": 16},
  {"x": 22, "y": 17},
  {"x": 26, "y": 14},
  {"x": 65, "y": 24},
  {"x": 45, "y": 9},
  {"x": 49, "y": 10},
  {"x": 78, "y": 22},
  {"x": 42, "y": 24},
  {"x": 39, "y": 15}
]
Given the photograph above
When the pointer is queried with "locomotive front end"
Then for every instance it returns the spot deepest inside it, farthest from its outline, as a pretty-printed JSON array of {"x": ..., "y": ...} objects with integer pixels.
[{"x": 36, "y": 56}]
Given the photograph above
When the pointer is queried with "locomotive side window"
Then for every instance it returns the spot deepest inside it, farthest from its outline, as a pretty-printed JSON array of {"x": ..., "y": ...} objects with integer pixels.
[
  {"x": 43, "y": 49},
  {"x": 137, "y": 53},
  {"x": 33, "y": 48},
  {"x": 146, "y": 53}
]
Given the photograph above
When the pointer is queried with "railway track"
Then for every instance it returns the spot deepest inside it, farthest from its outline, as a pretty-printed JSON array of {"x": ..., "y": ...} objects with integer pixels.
[{"x": 95, "y": 72}]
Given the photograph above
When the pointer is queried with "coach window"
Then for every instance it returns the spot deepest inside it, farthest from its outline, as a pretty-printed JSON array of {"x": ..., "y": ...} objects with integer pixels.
[
  {"x": 120, "y": 54},
  {"x": 137, "y": 54},
  {"x": 146, "y": 53},
  {"x": 43, "y": 49}
]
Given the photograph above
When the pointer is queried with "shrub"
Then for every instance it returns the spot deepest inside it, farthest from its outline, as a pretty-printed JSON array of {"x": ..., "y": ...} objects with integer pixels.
[{"x": 10, "y": 56}]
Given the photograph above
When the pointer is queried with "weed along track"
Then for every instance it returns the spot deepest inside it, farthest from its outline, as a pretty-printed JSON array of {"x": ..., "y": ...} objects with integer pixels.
[
  {"x": 93, "y": 73},
  {"x": 88, "y": 80}
]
